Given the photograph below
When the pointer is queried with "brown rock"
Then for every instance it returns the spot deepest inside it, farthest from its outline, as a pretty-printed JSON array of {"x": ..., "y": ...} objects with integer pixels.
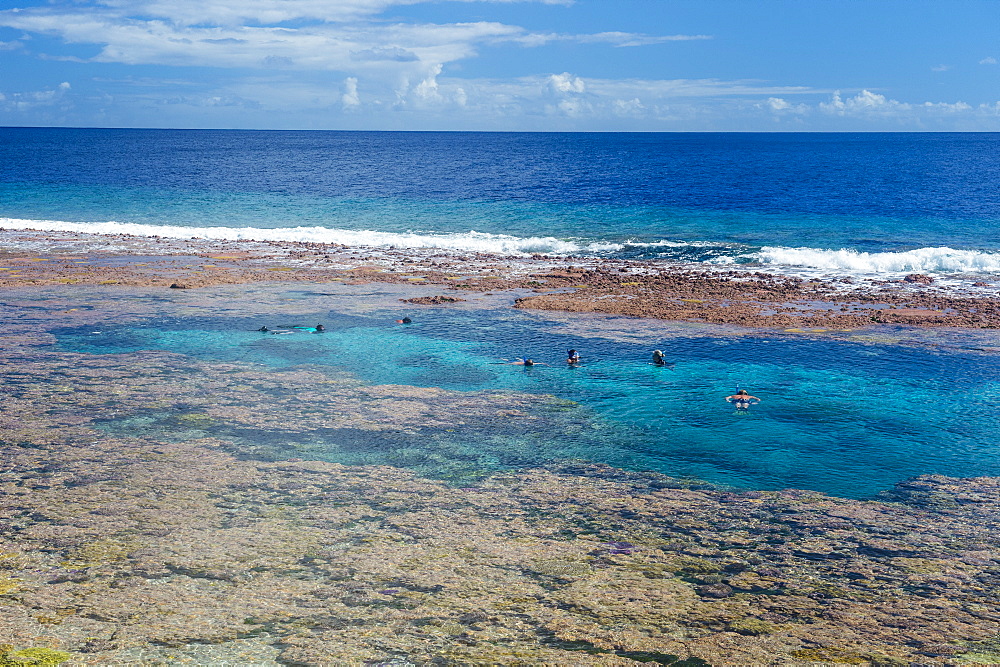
[
  {"x": 715, "y": 591},
  {"x": 433, "y": 300}
]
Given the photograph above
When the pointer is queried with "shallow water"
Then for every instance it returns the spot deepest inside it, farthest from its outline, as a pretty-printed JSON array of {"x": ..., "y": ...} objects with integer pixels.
[{"x": 848, "y": 415}]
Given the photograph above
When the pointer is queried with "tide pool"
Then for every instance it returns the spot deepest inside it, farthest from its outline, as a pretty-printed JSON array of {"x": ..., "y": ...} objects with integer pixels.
[{"x": 849, "y": 415}]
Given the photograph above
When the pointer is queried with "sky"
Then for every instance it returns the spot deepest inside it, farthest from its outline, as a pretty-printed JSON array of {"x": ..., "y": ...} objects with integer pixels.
[{"x": 503, "y": 65}]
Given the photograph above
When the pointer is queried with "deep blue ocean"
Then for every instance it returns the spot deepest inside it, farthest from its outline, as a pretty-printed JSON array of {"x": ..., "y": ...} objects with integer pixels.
[
  {"x": 849, "y": 414},
  {"x": 860, "y": 204}
]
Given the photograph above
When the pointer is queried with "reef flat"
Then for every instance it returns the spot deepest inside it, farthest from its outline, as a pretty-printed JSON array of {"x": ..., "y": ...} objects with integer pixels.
[
  {"x": 635, "y": 288},
  {"x": 134, "y": 528}
]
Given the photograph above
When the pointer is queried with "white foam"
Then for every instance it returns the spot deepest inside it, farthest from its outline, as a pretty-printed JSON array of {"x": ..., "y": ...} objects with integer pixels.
[
  {"x": 920, "y": 260},
  {"x": 796, "y": 261},
  {"x": 472, "y": 241}
]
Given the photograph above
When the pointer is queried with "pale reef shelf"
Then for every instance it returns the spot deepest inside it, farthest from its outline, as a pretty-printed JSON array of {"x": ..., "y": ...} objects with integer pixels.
[
  {"x": 693, "y": 293},
  {"x": 171, "y": 546}
]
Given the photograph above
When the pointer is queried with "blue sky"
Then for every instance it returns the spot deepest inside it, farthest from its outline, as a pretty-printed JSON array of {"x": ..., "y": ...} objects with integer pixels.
[{"x": 587, "y": 65}]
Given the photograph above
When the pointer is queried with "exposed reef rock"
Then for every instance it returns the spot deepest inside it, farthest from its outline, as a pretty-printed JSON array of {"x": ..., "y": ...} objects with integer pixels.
[
  {"x": 432, "y": 300},
  {"x": 574, "y": 284}
]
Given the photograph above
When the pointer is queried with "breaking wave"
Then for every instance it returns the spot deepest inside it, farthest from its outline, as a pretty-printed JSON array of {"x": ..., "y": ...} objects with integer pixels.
[
  {"x": 920, "y": 260},
  {"x": 472, "y": 241}
]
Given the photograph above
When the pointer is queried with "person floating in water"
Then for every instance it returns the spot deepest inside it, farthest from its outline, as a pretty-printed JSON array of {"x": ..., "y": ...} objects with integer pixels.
[
  {"x": 281, "y": 330},
  {"x": 525, "y": 362},
  {"x": 286, "y": 329},
  {"x": 743, "y": 400},
  {"x": 405, "y": 320},
  {"x": 572, "y": 357}
]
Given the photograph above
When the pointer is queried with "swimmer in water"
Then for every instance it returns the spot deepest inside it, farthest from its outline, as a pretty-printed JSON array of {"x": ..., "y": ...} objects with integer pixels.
[
  {"x": 572, "y": 357},
  {"x": 263, "y": 329},
  {"x": 524, "y": 362},
  {"x": 405, "y": 320},
  {"x": 320, "y": 328},
  {"x": 743, "y": 400},
  {"x": 660, "y": 360}
]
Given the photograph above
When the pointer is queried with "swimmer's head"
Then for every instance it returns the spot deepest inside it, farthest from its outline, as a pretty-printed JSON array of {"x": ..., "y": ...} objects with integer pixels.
[
  {"x": 742, "y": 392},
  {"x": 529, "y": 362},
  {"x": 320, "y": 327}
]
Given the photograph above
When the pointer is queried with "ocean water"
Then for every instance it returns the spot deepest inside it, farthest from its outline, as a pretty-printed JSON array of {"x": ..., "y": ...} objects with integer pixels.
[
  {"x": 849, "y": 416},
  {"x": 876, "y": 205}
]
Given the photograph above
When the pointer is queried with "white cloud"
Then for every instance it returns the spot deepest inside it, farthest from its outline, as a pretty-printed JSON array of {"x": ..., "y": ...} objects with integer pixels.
[
  {"x": 394, "y": 47},
  {"x": 264, "y": 12},
  {"x": 632, "y": 108},
  {"x": 617, "y": 39},
  {"x": 957, "y": 107},
  {"x": 571, "y": 108},
  {"x": 427, "y": 90},
  {"x": 941, "y": 68},
  {"x": 34, "y": 99},
  {"x": 864, "y": 103},
  {"x": 394, "y": 69},
  {"x": 350, "y": 99},
  {"x": 869, "y": 104},
  {"x": 781, "y": 106},
  {"x": 310, "y": 35},
  {"x": 566, "y": 83}
]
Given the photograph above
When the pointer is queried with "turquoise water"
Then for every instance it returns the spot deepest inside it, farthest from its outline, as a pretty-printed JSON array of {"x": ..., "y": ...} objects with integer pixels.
[{"x": 846, "y": 417}]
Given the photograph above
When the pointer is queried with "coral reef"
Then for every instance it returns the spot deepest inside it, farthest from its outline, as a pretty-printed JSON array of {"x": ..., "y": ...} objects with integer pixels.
[{"x": 138, "y": 524}]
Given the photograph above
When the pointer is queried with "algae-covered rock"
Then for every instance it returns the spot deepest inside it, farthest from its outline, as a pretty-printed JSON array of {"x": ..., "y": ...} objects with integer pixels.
[
  {"x": 9, "y": 585},
  {"x": 751, "y": 626},
  {"x": 31, "y": 657}
]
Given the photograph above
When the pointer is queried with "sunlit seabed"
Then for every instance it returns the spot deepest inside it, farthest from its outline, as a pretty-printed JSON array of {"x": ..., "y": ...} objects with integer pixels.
[{"x": 847, "y": 418}]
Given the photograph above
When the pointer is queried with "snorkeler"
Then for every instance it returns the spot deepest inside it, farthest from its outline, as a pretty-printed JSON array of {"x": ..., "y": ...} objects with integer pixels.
[
  {"x": 660, "y": 360},
  {"x": 405, "y": 320},
  {"x": 743, "y": 400},
  {"x": 263, "y": 329},
  {"x": 572, "y": 357}
]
